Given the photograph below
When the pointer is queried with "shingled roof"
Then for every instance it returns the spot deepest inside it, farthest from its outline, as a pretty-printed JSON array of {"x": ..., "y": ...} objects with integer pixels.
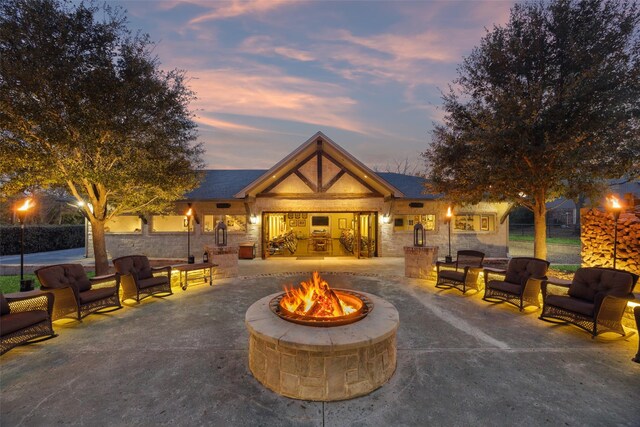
[{"x": 223, "y": 184}]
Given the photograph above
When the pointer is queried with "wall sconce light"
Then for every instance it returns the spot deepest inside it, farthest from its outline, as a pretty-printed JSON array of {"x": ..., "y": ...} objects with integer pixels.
[
  {"x": 386, "y": 219},
  {"x": 253, "y": 219}
]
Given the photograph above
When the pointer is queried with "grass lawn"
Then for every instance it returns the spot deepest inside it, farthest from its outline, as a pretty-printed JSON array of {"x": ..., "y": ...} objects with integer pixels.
[
  {"x": 10, "y": 284},
  {"x": 550, "y": 240},
  {"x": 565, "y": 268}
]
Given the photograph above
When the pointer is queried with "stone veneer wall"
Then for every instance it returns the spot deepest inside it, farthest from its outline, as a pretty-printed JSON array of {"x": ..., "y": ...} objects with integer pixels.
[{"x": 390, "y": 242}]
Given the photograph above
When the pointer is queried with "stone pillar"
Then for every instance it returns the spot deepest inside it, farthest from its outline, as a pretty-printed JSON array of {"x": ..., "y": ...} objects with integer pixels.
[
  {"x": 227, "y": 259},
  {"x": 419, "y": 261}
]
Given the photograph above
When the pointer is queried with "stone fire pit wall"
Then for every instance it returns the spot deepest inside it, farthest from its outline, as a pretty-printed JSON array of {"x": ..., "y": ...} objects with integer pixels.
[
  {"x": 322, "y": 363},
  {"x": 227, "y": 259}
]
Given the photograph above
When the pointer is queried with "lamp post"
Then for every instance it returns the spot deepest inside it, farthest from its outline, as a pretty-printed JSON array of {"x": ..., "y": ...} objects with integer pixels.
[
  {"x": 448, "y": 220},
  {"x": 25, "y": 285},
  {"x": 616, "y": 208},
  {"x": 189, "y": 215}
]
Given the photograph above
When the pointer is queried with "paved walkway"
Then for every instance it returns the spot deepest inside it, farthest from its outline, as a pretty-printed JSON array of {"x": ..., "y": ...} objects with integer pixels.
[{"x": 182, "y": 360}]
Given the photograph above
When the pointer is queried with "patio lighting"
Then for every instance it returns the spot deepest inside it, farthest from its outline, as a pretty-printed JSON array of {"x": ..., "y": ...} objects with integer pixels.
[
  {"x": 21, "y": 212},
  {"x": 189, "y": 215},
  {"x": 221, "y": 234},
  {"x": 386, "y": 219},
  {"x": 253, "y": 219},
  {"x": 418, "y": 235},
  {"x": 613, "y": 204},
  {"x": 448, "y": 220}
]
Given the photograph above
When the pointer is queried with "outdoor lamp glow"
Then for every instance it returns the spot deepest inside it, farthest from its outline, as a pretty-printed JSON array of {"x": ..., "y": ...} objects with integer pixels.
[
  {"x": 21, "y": 212},
  {"x": 613, "y": 204}
]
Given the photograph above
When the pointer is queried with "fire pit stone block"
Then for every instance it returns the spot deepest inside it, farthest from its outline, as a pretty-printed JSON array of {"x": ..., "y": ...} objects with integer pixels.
[{"x": 322, "y": 364}]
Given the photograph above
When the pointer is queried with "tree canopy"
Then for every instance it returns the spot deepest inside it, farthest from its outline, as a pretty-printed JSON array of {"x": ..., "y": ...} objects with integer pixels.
[
  {"x": 85, "y": 105},
  {"x": 547, "y": 105}
]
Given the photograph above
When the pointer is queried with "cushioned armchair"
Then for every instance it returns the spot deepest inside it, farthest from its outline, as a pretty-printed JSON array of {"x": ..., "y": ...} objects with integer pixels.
[
  {"x": 76, "y": 295},
  {"x": 594, "y": 300},
  {"x": 24, "y": 318},
  {"x": 138, "y": 278},
  {"x": 521, "y": 283},
  {"x": 462, "y": 273}
]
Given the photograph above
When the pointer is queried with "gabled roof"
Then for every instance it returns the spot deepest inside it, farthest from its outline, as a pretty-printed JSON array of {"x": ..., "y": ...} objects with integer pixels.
[
  {"x": 411, "y": 186},
  {"x": 323, "y": 147},
  {"x": 223, "y": 184}
]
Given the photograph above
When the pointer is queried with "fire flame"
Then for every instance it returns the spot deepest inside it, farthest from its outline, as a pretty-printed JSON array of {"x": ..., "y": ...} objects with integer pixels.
[
  {"x": 26, "y": 206},
  {"x": 315, "y": 298},
  {"x": 614, "y": 202},
  {"x": 449, "y": 213},
  {"x": 189, "y": 212}
]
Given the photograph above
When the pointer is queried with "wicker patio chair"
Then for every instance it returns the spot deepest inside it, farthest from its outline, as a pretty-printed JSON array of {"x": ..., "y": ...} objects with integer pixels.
[
  {"x": 521, "y": 284},
  {"x": 137, "y": 277},
  {"x": 77, "y": 295},
  {"x": 462, "y": 273},
  {"x": 25, "y": 318},
  {"x": 594, "y": 300}
]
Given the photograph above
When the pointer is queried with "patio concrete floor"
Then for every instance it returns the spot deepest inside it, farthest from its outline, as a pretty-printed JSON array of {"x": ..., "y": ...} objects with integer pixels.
[{"x": 182, "y": 360}]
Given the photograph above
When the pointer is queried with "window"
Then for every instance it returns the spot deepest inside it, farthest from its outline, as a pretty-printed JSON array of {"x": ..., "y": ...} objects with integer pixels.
[
  {"x": 407, "y": 222},
  {"x": 169, "y": 224},
  {"x": 474, "y": 223},
  {"x": 233, "y": 222},
  {"x": 124, "y": 224}
]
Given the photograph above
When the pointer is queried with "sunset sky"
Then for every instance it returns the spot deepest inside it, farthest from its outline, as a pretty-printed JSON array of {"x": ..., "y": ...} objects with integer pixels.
[{"x": 268, "y": 74}]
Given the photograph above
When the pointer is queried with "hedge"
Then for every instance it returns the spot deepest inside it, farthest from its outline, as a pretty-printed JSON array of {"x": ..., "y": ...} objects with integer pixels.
[{"x": 40, "y": 238}]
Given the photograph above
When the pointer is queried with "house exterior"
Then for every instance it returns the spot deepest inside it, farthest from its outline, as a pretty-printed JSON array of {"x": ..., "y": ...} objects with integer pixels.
[{"x": 317, "y": 201}]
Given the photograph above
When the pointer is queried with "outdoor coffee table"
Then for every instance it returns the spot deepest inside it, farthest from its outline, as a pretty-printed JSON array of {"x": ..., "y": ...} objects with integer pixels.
[{"x": 200, "y": 270}]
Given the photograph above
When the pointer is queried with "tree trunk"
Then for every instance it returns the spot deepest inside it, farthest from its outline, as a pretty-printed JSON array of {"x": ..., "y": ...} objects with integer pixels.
[
  {"x": 540, "y": 227},
  {"x": 99, "y": 247}
]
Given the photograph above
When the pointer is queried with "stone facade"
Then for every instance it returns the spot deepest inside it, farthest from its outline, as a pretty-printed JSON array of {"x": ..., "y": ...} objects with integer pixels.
[
  {"x": 390, "y": 242},
  {"x": 322, "y": 364}
]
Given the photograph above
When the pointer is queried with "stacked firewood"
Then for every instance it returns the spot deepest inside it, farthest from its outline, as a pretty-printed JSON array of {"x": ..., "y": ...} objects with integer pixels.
[{"x": 597, "y": 237}]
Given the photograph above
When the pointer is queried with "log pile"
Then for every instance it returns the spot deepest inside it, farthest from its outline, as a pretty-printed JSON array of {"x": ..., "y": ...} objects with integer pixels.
[{"x": 597, "y": 235}]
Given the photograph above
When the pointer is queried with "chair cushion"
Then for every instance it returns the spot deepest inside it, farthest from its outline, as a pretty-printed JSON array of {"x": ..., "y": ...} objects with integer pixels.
[
  {"x": 64, "y": 275},
  {"x": 574, "y": 305},
  {"x": 152, "y": 281},
  {"x": 96, "y": 294},
  {"x": 16, "y": 321},
  {"x": 457, "y": 276},
  {"x": 511, "y": 288},
  {"x": 135, "y": 264},
  {"x": 521, "y": 269},
  {"x": 4, "y": 306},
  {"x": 587, "y": 282}
]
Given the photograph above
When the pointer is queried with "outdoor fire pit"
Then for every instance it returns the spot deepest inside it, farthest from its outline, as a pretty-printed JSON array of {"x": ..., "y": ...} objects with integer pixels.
[{"x": 318, "y": 343}]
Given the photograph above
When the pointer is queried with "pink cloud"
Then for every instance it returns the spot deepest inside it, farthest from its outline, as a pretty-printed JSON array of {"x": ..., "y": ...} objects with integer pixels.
[
  {"x": 234, "y": 8},
  {"x": 266, "y": 93}
]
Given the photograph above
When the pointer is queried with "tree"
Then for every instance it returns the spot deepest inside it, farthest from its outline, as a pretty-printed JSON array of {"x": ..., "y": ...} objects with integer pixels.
[
  {"x": 548, "y": 105},
  {"x": 84, "y": 104}
]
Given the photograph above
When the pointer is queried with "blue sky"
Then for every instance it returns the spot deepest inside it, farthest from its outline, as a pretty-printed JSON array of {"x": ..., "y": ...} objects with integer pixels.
[{"x": 268, "y": 74}]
